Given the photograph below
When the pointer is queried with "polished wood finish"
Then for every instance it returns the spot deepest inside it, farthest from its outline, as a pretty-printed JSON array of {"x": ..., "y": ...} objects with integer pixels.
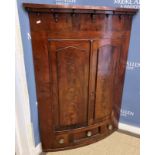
[
  {"x": 69, "y": 76},
  {"x": 51, "y": 7},
  {"x": 79, "y": 54}
]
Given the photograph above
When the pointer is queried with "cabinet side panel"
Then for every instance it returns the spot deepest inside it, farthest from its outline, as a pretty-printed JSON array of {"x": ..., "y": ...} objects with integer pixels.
[
  {"x": 41, "y": 67},
  {"x": 119, "y": 79},
  {"x": 120, "y": 70}
]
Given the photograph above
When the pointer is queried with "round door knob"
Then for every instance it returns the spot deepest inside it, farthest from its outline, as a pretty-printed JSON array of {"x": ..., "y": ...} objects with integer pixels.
[
  {"x": 61, "y": 141},
  {"x": 89, "y": 133},
  {"x": 110, "y": 127}
]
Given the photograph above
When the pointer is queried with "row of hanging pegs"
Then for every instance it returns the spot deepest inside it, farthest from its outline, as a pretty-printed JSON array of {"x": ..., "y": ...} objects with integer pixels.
[{"x": 93, "y": 14}]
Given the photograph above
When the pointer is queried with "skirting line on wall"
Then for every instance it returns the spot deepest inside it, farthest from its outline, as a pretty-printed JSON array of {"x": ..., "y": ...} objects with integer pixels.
[
  {"x": 122, "y": 126},
  {"x": 129, "y": 128},
  {"x": 38, "y": 149}
]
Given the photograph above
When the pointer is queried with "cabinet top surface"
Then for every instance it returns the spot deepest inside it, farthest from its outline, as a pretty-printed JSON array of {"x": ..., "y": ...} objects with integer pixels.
[{"x": 39, "y": 7}]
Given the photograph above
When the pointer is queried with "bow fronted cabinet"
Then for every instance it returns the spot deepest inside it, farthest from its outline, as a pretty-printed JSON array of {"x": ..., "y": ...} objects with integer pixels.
[{"x": 80, "y": 55}]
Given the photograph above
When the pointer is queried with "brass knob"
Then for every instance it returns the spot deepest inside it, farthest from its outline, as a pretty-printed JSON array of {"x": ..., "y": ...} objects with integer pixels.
[
  {"x": 89, "y": 133},
  {"x": 110, "y": 127},
  {"x": 61, "y": 141}
]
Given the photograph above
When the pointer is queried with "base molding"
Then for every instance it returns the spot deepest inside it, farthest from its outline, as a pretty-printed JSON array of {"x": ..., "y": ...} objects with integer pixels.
[
  {"x": 38, "y": 149},
  {"x": 129, "y": 128},
  {"x": 121, "y": 126}
]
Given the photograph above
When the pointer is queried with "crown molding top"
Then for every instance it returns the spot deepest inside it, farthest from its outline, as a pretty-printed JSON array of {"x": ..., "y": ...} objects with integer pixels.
[{"x": 32, "y": 7}]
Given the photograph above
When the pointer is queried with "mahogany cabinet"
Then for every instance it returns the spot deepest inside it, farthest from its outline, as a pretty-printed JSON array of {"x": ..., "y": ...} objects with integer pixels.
[{"x": 80, "y": 55}]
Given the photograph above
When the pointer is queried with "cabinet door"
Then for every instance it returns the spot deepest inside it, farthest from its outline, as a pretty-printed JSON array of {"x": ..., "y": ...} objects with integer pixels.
[
  {"x": 107, "y": 53},
  {"x": 69, "y": 62}
]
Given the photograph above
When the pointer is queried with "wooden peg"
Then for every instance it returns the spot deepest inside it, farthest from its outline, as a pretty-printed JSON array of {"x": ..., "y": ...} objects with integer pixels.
[
  {"x": 93, "y": 17},
  {"x": 56, "y": 16},
  {"x": 107, "y": 15},
  {"x": 73, "y": 13}
]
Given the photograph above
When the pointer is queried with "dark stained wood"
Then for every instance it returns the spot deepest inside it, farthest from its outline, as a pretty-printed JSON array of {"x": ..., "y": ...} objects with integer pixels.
[
  {"x": 31, "y": 6},
  {"x": 108, "y": 55},
  {"x": 69, "y": 61},
  {"x": 40, "y": 56},
  {"x": 80, "y": 55}
]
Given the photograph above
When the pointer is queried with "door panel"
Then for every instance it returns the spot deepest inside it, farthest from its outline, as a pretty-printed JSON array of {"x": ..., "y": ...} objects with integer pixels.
[
  {"x": 69, "y": 69},
  {"x": 108, "y": 53}
]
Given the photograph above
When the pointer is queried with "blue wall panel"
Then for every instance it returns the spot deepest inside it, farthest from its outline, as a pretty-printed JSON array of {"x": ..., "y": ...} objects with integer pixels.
[{"x": 130, "y": 101}]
